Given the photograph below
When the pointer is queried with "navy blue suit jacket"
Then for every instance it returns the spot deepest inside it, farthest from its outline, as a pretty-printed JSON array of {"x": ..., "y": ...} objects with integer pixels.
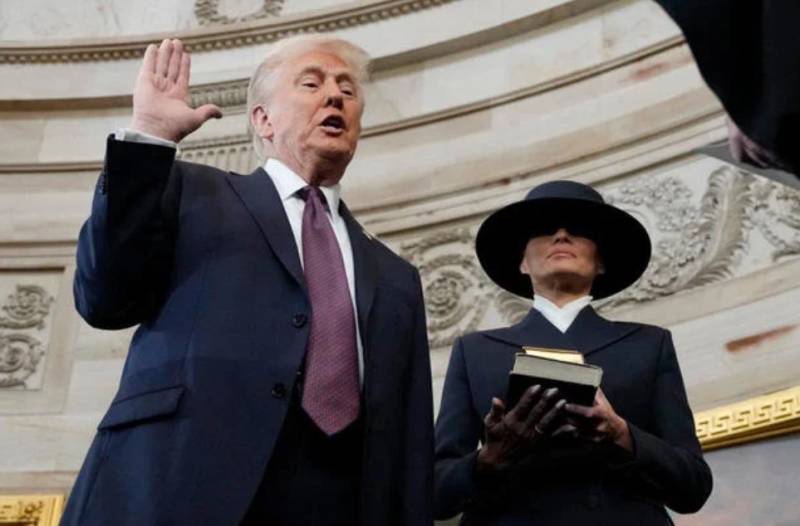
[
  {"x": 573, "y": 482},
  {"x": 206, "y": 263}
]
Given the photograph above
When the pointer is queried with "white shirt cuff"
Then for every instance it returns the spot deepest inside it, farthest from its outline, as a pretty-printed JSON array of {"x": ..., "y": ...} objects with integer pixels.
[{"x": 127, "y": 134}]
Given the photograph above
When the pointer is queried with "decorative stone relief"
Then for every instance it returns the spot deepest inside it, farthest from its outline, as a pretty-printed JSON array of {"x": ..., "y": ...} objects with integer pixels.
[
  {"x": 695, "y": 245},
  {"x": 209, "y": 12},
  {"x": 26, "y": 308},
  {"x": 456, "y": 290},
  {"x": 228, "y": 95},
  {"x": 211, "y": 40},
  {"x": 22, "y": 351},
  {"x": 20, "y": 355},
  {"x": 735, "y": 224},
  {"x": 234, "y": 153}
]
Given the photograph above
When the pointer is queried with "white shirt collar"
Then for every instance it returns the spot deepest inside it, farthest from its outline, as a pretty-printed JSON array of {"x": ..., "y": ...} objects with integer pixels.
[
  {"x": 561, "y": 317},
  {"x": 287, "y": 182}
]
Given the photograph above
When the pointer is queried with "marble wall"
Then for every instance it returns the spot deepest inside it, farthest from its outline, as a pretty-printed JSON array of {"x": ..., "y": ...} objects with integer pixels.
[{"x": 470, "y": 107}]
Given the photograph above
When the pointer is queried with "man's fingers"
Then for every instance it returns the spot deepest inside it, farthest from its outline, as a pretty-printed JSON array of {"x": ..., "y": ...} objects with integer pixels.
[
  {"x": 735, "y": 141},
  {"x": 149, "y": 60},
  {"x": 185, "y": 69},
  {"x": 162, "y": 60},
  {"x": 175, "y": 59}
]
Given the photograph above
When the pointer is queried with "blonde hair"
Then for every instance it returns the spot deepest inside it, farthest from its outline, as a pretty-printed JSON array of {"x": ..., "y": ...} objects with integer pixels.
[{"x": 262, "y": 83}]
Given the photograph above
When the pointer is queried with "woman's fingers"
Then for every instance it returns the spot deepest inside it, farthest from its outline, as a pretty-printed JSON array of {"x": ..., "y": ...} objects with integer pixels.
[
  {"x": 529, "y": 398},
  {"x": 495, "y": 414},
  {"x": 546, "y": 421},
  {"x": 545, "y": 402}
]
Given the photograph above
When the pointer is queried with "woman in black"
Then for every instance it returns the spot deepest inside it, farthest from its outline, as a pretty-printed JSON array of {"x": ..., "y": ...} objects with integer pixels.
[{"x": 547, "y": 462}]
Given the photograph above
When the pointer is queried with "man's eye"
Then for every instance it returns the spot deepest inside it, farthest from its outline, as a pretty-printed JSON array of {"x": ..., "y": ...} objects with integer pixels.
[{"x": 310, "y": 84}]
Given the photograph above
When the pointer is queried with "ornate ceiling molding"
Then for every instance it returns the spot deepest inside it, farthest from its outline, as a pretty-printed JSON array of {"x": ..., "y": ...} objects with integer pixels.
[
  {"x": 226, "y": 37},
  {"x": 233, "y": 93},
  {"x": 232, "y": 96},
  {"x": 207, "y": 12}
]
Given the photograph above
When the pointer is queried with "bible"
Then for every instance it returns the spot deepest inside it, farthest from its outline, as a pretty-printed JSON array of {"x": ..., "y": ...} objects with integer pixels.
[{"x": 577, "y": 382}]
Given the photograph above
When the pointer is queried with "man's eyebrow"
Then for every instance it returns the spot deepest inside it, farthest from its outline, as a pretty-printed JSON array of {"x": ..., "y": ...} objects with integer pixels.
[{"x": 311, "y": 69}]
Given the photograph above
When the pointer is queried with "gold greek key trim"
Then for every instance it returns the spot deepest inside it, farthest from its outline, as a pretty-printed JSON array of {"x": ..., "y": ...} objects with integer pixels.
[
  {"x": 233, "y": 36},
  {"x": 31, "y": 510},
  {"x": 765, "y": 416}
]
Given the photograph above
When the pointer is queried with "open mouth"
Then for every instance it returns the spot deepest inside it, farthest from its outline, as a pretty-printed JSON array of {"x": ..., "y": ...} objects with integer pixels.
[{"x": 333, "y": 123}]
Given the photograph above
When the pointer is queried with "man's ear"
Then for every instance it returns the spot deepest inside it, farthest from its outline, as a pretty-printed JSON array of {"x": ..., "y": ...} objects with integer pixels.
[{"x": 262, "y": 124}]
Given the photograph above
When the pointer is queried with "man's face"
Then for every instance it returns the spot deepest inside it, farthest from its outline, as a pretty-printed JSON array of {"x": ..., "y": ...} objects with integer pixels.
[
  {"x": 315, "y": 110},
  {"x": 561, "y": 257}
]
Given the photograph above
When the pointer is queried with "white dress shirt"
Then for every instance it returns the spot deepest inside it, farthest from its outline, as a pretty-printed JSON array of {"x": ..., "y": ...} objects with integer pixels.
[
  {"x": 288, "y": 183},
  {"x": 561, "y": 317}
]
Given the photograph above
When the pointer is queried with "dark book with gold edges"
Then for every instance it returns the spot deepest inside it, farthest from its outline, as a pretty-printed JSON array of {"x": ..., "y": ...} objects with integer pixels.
[{"x": 576, "y": 381}]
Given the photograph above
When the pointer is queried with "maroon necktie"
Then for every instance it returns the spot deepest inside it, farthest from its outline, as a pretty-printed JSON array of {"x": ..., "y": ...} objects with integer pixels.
[{"x": 331, "y": 386}]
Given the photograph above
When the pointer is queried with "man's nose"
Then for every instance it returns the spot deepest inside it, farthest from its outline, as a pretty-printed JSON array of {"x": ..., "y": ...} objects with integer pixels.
[{"x": 334, "y": 97}]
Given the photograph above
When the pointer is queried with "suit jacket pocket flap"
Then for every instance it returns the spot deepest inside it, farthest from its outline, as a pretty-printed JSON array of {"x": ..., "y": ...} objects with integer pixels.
[{"x": 142, "y": 407}]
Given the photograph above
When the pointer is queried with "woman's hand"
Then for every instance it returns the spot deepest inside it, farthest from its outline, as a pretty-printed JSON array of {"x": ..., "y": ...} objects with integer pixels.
[
  {"x": 599, "y": 423},
  {"x": 511, "y": 436}
]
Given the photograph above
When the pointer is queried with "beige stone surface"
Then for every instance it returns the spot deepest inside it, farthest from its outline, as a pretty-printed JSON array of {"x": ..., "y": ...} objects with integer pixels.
[{"x": 472, "y": 105}]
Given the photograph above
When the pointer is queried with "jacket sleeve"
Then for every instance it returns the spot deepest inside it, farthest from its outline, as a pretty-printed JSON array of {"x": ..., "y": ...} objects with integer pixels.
[
  {"x": 668, "y": 462},
  {"x": 458, "y": 431},
  {"x": 419, "y": 424},
  {"x": 125, "y": 248}
]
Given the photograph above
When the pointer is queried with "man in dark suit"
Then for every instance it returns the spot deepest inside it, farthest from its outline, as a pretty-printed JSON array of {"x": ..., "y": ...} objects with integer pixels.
[
  {"x": 749, "y": 55},
  {"x": 280, "y": 372},
  {"x": 545, "y": 461}
]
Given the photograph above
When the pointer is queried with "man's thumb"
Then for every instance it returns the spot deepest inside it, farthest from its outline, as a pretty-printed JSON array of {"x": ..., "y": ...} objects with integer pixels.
[{"x": 208, "y": 111}]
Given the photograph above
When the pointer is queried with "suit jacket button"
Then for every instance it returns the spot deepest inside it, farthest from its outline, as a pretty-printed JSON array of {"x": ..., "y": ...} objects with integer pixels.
[
  {"x": 279, "y": 391},
  {"x": 299, "y": 320}
]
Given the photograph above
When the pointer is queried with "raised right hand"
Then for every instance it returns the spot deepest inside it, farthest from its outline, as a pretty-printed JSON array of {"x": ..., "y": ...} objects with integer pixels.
[
  {"x": 161, "y": 93},
  {"x": 510, "y": 436}
]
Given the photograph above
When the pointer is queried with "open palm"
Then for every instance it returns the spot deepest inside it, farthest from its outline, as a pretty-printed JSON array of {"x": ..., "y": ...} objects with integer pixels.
[{"x": 161, "y": 93}]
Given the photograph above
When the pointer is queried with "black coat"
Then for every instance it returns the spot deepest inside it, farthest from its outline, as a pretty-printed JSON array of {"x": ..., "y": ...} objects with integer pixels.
[
  {"x": 206, "y": 263},
  {"x": 748, "y": 52},
  {"x": 573, "y": 482}
]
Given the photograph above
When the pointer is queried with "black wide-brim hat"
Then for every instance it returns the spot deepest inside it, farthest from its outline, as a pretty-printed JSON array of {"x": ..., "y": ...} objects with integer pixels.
[{"x": 622, "y": 241}]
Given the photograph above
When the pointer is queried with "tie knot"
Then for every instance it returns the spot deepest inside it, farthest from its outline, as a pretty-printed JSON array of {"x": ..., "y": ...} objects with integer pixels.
[{"x": 313, "y": 193}]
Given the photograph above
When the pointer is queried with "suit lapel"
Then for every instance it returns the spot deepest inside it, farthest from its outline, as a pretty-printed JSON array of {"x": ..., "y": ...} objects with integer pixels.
[
  {"x": 590, "y": 332},
  {"x": 534, "y": 330},
  {"x": 258, "y": 193},
  {"x": 365, "y": 269}
]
